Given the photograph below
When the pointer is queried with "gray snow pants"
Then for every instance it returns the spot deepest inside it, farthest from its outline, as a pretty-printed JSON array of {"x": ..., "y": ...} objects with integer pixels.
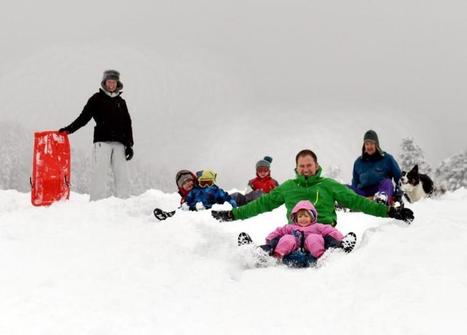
[{"x": 109, "y": 155}]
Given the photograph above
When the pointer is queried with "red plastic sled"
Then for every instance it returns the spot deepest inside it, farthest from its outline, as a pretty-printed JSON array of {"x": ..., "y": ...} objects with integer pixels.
[{"x": 51, "y": 170}]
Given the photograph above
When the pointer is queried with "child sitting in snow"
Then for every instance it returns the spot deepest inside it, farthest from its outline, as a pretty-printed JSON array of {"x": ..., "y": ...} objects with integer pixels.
[
  {"x": 263, "y": 181},
  {"x": 186, "y": 181},
  {"x": 206, "y": 193},
  {"x": 303, "y": 241}
]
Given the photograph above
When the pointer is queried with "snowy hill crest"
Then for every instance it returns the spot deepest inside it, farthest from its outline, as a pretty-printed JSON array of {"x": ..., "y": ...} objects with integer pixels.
[{"x": 108, "y": 267}]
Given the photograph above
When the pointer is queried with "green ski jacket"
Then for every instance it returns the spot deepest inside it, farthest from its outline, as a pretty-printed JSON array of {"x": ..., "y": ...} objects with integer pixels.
[{"x": 322, "y": 192}]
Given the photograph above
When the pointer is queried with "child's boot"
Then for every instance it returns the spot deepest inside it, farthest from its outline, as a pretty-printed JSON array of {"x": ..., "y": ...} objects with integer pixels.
[
  {"x": 244, "y": 238},
  {"x": 349, "y": 241}
]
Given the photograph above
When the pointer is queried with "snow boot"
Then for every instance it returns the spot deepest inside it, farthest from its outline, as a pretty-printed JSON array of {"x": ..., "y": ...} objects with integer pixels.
[
  {"x": 381, "y": 198},
  {"x": 162, "y": 215},
  {"x": 244, "y": 238},
  {"x": 349, "y": 241}
]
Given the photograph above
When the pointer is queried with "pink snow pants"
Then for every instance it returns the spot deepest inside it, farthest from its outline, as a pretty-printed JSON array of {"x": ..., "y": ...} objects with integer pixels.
[{"x": 314, "y": 243}]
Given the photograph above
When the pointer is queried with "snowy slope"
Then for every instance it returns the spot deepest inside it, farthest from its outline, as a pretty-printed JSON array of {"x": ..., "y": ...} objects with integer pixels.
[{"x": 107, "y": 267}]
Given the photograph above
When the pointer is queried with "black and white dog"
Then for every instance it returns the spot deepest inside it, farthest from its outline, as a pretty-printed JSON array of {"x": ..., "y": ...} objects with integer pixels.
[{"x": 416, "y": 185}]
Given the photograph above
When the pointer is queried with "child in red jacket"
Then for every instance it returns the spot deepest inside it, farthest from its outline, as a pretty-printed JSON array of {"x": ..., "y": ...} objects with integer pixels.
[{"x": 263, "y": 181}]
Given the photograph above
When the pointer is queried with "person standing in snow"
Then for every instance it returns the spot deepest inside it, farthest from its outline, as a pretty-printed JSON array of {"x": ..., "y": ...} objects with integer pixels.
[
  {"x": 113, "y": 136},
  {"x": 323, "y": 192},
  {"x": 374, "y": 171}
]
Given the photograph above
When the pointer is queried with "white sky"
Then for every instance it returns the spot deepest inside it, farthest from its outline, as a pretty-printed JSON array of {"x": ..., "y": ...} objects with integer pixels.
[{"x": 197, "y": 70}]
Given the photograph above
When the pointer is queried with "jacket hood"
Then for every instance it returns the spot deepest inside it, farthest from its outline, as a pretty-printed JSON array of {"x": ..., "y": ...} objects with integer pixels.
[
  {"x": 110, "y": 94},
  {"x": 182, "y": 176}
]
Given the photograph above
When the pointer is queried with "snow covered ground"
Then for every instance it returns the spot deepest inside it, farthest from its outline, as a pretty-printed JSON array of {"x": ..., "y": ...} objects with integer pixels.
[{"x": 108, "y": 267}]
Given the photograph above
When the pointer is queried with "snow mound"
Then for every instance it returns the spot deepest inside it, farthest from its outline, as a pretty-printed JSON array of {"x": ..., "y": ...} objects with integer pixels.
[{"x": 108, "y": 267}]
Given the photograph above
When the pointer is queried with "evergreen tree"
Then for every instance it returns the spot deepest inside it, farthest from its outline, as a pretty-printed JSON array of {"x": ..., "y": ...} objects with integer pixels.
[
  {"x": 452, "y": 172},
  {"x": 16, "y": 156},
  {"x": 80, "y": 171},
  {"x": 412, "y": 154}
]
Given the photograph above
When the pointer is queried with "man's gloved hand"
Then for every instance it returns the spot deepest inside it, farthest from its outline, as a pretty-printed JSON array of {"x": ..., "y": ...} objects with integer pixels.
[
  {"x": 401, "y": 213},
  {"x": 222, "y": 215},
  {"x": 129, "y": 153}
]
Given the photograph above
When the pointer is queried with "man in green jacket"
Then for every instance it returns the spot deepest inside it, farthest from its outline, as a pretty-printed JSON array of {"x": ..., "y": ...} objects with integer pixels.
[{"x": 322, "y": 192}]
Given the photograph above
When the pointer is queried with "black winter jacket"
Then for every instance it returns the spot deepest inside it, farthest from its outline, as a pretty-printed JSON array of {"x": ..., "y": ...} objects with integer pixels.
[{"x": 113, "y": 122}]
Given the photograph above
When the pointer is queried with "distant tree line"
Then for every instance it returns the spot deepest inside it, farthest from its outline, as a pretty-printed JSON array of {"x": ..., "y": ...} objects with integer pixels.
[
  {"x": 450, "y": 175},
  {"x": 16, "y": 165}
]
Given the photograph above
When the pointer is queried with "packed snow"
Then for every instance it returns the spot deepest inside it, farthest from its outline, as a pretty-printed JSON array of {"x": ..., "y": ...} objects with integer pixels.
[{"x": 108, "y": 267}]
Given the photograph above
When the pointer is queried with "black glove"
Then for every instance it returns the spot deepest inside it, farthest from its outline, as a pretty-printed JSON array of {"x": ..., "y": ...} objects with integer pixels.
[
  {"x": 401, "y": 213},
  {"x": 129, "y": 153},
  {"x": 64, "y": 130},
  {"x": 222, "y": 215}
]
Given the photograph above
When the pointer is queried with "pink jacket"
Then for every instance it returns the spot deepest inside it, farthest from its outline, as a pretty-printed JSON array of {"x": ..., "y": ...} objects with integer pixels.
[
  {"x": 314, "y": 233},
  {"x": 314, "y": 228}
]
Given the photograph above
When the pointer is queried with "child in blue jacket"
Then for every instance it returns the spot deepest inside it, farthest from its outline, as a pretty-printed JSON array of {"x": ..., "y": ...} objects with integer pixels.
[{"x": 207, "y": 193}]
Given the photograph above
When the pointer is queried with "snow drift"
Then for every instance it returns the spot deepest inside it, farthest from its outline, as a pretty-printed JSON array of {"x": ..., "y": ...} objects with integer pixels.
[{"x": 108, "y": 267}]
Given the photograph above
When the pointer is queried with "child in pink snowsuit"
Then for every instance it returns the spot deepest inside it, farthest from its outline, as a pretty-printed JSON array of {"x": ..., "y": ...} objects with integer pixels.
[{"x": 303, "y": 233}]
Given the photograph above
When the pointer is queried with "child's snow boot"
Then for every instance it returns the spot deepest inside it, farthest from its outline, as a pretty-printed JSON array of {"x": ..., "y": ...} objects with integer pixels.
[
  {"x": 162, "y": 215},
  {"x": 244, "y": 238},
  {"x": 349, "y": 241}
]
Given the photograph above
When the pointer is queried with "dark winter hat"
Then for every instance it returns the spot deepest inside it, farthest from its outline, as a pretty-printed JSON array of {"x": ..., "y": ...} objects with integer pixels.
[
  {"x": 112, "y": 75},
  {"x": 183, "y": 176},
  {"x": 265, "y": 162},
  {"x": 371, "y": 135}
]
